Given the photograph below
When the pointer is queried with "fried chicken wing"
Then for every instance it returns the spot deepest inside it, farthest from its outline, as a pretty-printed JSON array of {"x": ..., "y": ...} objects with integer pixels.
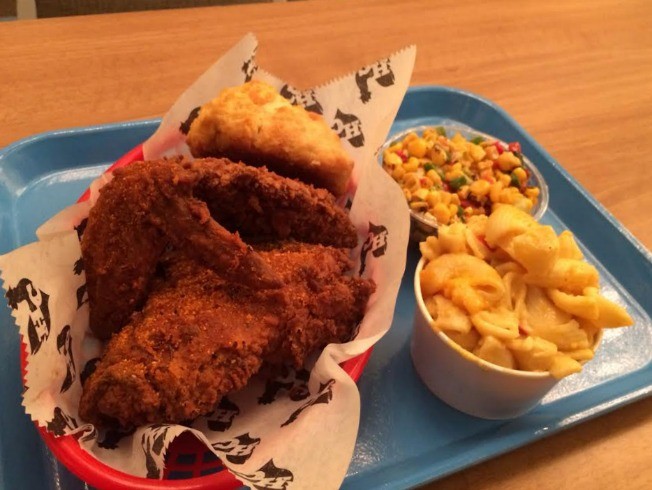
[
  {"x": 201, "y": 336},
  {"x": 263, "y": 206},
  {"x": 190, "y": 205},
  {"x": 146, "y": 206}
]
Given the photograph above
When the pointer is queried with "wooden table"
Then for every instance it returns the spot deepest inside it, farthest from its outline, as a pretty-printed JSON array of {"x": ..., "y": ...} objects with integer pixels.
[{"x": 577, "y": 75}]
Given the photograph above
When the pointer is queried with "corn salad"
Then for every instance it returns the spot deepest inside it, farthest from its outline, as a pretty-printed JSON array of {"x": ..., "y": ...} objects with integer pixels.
[{"x": 449, "y": 180}]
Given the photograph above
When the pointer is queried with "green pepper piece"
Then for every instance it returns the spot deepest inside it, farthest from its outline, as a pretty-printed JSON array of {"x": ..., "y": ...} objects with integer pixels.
[
  {"x": 455, "y": 184},
  {"x": 441, "y": 131},
  {"x": 477, "y": 140},
  {"x": 428, "y": 166},
  {"x": 513, "y": 181}
]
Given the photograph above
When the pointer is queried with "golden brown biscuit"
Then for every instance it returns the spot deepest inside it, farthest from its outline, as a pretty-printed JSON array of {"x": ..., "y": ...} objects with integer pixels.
[{"x": 254, "y": 124}]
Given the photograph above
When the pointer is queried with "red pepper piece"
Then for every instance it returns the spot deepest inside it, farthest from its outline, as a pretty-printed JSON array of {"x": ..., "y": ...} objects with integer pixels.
[
  {"x": 403, "y": 155},
  {"x": 514, "y": 147},
  {"x": 499, "y": 147}
]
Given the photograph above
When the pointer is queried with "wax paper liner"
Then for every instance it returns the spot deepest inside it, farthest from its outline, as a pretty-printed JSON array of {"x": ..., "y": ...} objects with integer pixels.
[{"x": 295, "y": 431}]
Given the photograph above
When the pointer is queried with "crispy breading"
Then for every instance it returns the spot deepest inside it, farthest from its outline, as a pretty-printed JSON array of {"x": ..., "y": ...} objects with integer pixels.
[
  {"x": 146, "y": 206},
  {"x": 201, "y": 336},
  {"x": 263, "y": 207},
  {"x": 149, "y": 205},
  {"x": 253, "y": 123}
]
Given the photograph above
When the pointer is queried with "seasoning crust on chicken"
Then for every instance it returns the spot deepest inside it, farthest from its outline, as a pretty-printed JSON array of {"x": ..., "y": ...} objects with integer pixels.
[
  {"x": 201, "y": 336},
  {"x": 149, "y": 206}
]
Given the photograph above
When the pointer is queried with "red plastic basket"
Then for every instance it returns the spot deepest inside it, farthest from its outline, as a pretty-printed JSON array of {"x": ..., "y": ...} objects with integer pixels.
[{"x": 189, "y": 465}]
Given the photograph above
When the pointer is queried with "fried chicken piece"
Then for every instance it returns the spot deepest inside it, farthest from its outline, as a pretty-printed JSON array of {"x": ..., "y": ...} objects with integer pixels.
[
  {"x": 326, "y": 305},
  {"x": 146, "y": 206},
  {"x": 253, "y": 123},
  {"x": 151, "y": 204},
  {"x": 264, "y": 207},
  {"x": 200, "y": 336}
]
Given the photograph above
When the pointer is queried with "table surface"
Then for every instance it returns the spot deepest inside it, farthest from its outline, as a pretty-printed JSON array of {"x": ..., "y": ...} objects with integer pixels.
[{"x": 576, "y": 75}]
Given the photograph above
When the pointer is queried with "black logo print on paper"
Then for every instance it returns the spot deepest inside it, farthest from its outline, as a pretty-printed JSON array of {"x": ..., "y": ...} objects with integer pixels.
[
  {"x": 268, "y": 476},
  {"x": 295, "y": 383},
  {"x": 89, "y": 368},
  {"x": 64, "y": 346},
  {"x": 380, "y": 71},
  {"x": 82, "y": 296},
  {"x": 78, "y": 268},
  {"x": 249, "y": 68},
  {"x": 152, "y": 443},
  {"x": 81, "y": 228},
  {"x": 222, "y": 417},
  {"x": 60, "y": 422},
  {"x": 348, "y": 127},
  {"x": 112, "y": 437},
  {"x": 82, "y": 292},
  {"x": 376, "y": 243},
  {"x": 38, "y": 326},
  {"x": 324, "y": 395},
  {"x": 304, "y": 98},
  {"x": 184, "y": 127},
  {"x": 239, "y": 449}
]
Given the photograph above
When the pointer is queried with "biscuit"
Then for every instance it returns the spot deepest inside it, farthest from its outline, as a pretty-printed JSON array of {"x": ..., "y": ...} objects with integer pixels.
[{"x": 254, "y": 124}]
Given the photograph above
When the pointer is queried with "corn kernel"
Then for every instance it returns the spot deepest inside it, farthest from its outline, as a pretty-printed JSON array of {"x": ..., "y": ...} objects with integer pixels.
[
  {"x": 507, "y": 196},
  {"x": 477, "y": 153},
  {"x": 411, "y": 181},
  {"x": 494, "y": 191},
  {"x": 480, "y": 188},
  {"x": 420, "y": 194},
  {"x": 458, "y": 142},
  {"x": 407, "y": 194},
  {"x": 507, "y": 161},
  {"x": 505, "y": 179},
  {"x": 411, "y": 166},
  {"x": 446, "y": 197},
  {"x": 396, "y": 147},
  {"x": 524, "y": 204},
  {"x": 398, "y": 172},
  {"x": 418, "y": 205},
  {"x": 455, "y": 199},
  {"x": 453, "y": 174},
  {"x": 433, "y": 198},
  {"x": 409, "y": 137},
  {"x": 438, "y": 156},
  {"x": 390, "y": 158},
  {"x": 463, "y": 192},
  {"x": 434, "y": 177},
  {"x": 453, "y": 209},
  {"x": 485, "y": 164},
  {"x": 491, "y": 151},
  {"x": 520, "y": 174},
  {"x": 417, "y": 147},
  {"x": 442, "y": 213},
  {"x": 532, "y": 193}
]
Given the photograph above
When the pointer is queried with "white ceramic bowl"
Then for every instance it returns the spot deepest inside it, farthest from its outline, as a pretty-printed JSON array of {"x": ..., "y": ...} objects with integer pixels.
[{"x": 463, "y": 380}]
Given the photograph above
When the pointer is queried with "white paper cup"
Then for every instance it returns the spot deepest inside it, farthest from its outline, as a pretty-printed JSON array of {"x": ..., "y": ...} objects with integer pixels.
[{"x": 463, "y": 380}]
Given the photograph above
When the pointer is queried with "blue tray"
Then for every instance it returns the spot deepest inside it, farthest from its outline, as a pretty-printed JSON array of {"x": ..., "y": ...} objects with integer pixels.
[{"x": 407, "y": 436}]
